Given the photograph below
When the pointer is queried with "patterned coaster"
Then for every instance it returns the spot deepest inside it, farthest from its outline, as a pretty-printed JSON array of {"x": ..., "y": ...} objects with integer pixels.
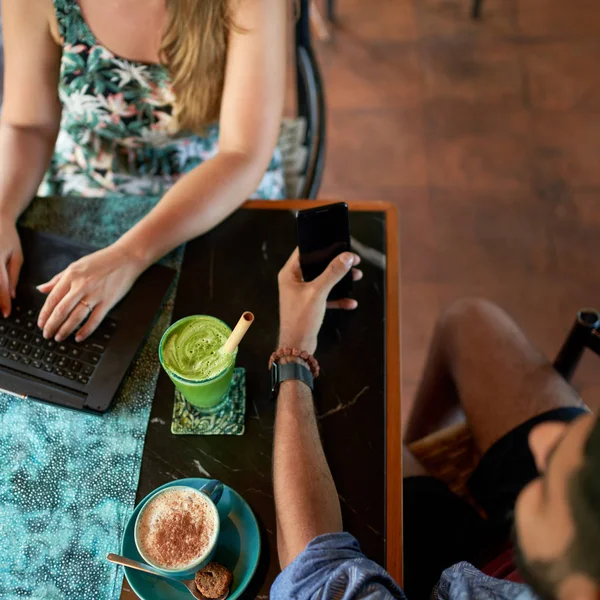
[{"x": 228, "y": 420}]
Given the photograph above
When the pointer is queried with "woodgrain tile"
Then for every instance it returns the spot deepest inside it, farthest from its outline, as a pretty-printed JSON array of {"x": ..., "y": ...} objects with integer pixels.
[
  {"x": 482, "y": 72},
  {"x": 382, "y": 147},
  {"x": 377, "y": 20},
  {"x": 574, "y": 227},
  {"x": 368, "y": 76},
  {"x": 452, "y": 18},
  {"x": 567, "y": 148},
  {"x": 475, "y": 147},
  {"x": 587, "y": 375},
  {"x": 489, "y": 236},
  {"x": 590, "y": 394},
  {"x": 584, "y": 208},
  {"x": 558, "y": 18},
  {"x": 563, "y": 75}
]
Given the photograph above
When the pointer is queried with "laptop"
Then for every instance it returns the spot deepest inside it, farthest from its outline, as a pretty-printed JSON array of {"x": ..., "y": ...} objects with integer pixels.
[{"x": 83, "y": 376}]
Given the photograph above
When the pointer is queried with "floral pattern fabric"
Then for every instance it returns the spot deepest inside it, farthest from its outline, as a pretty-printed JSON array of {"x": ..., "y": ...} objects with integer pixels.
[{"x": 119, "y": 132}]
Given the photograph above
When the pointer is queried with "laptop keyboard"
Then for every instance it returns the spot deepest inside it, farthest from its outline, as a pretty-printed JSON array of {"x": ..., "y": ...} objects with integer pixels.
[{"x": 21, "y": 341}]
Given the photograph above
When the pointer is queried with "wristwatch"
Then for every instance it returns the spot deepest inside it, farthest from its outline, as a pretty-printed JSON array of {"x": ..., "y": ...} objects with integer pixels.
[{"x": 292, "y": 370}]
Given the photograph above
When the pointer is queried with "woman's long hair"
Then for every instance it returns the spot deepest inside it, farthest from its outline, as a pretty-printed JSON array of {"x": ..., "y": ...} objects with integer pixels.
[{"x": 194, "y": 50}]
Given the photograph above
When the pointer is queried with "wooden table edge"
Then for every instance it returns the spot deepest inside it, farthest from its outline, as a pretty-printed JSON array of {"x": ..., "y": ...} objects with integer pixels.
[
  {"x": 393, "y": 500},
  {"x": 356, "y": 205},
  {"x": 393, "y": 446}
]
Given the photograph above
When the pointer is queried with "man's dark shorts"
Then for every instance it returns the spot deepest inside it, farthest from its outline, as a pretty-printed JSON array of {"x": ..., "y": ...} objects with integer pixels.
[{"x": 441, "y": 529}]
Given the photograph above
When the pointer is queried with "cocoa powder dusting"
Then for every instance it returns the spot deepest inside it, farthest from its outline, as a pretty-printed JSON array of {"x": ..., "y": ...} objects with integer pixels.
[{"x": 179, "y": 531}]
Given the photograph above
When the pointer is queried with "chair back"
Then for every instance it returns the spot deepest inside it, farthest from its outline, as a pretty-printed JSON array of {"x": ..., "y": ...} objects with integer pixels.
[
  {"x": 311, "y": 105},
  {"x": 585, "y": 333}
]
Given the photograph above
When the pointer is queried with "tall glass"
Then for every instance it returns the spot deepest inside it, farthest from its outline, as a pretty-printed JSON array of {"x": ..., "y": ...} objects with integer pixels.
[{"x": 204, "y": 393}]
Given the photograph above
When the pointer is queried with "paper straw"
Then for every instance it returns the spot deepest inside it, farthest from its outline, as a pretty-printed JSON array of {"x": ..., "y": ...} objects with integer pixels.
[{"x": 239, "y": 332}]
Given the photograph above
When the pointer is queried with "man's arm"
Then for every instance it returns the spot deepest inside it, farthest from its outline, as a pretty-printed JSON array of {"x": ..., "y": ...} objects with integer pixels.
[
  {"x": 318, "y": 559},
  {"x": 306, "y": 500}
]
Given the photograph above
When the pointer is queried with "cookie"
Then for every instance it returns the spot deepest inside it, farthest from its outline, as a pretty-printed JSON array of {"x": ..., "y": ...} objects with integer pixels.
[{"x": 213, "y": 581}]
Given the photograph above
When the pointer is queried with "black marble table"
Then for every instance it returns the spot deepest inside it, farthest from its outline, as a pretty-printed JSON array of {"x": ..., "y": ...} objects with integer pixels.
[{"x": 234, "y": 268}]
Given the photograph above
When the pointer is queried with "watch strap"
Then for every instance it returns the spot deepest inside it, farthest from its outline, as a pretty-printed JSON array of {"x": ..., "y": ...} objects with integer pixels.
[{"x": 290, "y": 371}]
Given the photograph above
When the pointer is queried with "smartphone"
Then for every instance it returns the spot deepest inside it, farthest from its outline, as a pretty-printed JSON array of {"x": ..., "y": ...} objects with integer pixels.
[{"x": 323, "y": 233}]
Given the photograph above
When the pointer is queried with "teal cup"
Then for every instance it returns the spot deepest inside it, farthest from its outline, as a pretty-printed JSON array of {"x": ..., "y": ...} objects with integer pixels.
[{"x": 212, "y": 494}]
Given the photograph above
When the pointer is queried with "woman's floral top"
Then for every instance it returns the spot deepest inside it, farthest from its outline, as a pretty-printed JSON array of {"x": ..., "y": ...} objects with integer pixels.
[{"x": 118, "y": 134}]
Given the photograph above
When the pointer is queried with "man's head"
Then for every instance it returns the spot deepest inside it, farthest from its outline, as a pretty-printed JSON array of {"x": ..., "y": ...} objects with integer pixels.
[{"x": 557, "y": 516}]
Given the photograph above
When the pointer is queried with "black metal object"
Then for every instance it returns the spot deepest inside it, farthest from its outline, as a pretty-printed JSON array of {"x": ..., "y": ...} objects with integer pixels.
[
  {"x": 331, "y": 10},
  {"x": 476, "y": 10},
  {"x": 311, "y": 104},
  {"x": 584, "y": 334}
]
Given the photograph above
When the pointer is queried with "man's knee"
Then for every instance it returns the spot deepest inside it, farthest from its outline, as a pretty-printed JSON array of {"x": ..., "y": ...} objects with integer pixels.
[
  {"x": 469, "y": 314},
  {"x": 479, "y": 332}
]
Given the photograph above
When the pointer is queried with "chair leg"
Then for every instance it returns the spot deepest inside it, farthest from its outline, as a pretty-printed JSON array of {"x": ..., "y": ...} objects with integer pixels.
[
  {"x": 584, "y": 334},
  {"x": 476, "y": 11},
  {"x": 318, "y": 23},
  {"x": 331, "y": 10}
]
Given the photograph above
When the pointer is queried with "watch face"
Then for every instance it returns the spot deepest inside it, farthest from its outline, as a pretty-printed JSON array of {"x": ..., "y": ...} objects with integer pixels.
[{"x": 274, "y": 378}]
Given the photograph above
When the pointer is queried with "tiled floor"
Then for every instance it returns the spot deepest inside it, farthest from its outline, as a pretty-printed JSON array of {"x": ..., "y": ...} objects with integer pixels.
[{"x": 487, "y": 137}]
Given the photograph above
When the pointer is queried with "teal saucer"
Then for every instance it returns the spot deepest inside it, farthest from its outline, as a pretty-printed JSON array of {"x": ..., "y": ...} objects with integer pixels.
[{"x": 238, "y": 547}]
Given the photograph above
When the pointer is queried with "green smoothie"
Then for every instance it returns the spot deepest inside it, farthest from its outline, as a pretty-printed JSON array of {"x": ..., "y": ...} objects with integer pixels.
[{"x": 190, "y": 352}]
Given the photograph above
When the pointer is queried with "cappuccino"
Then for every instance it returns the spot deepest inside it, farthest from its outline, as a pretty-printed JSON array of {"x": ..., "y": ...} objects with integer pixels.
[{"x": 177, "y": 528}]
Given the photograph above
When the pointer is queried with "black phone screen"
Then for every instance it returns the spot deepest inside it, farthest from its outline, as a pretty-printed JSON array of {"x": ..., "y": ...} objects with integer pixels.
[{"x": 323, "y": 233}]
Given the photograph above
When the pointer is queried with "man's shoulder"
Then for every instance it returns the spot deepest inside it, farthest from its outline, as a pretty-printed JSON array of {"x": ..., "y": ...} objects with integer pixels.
[
  {"x": 332, "y": 566},
  {"x": 463, "y": 581}
]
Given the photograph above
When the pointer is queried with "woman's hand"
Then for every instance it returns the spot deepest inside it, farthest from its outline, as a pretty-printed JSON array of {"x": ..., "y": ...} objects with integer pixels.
[
  {"x": 87, "y": 289},
  {"x": 11, "y": 259},
  {"x": 302, "y": 304}
]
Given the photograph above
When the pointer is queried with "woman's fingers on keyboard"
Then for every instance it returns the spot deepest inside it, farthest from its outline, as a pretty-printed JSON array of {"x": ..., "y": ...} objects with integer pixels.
[
  {"x": 95, "y": 318},
  {"x": 62, "y": 313},
  {"x": 76, "y": 316},
  {"x": 60, "y": 289}
]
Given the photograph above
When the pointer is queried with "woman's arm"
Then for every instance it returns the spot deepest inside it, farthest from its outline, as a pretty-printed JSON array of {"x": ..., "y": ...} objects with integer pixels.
[
  {"x": 250, "y": 119},
  {"x": 249, "y": 125},
  {"x": 29, "y": 124},
  {"x": 31, "y": 109}
]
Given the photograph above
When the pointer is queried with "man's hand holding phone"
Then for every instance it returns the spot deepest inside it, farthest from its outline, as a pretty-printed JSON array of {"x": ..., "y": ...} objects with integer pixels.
[
  {"x": 302, "y": 303},
  {"x": 323, "y": 234}
]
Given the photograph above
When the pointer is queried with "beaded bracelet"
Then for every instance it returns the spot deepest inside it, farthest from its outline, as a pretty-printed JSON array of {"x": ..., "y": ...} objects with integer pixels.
[{"x": 309, "y": 358}]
